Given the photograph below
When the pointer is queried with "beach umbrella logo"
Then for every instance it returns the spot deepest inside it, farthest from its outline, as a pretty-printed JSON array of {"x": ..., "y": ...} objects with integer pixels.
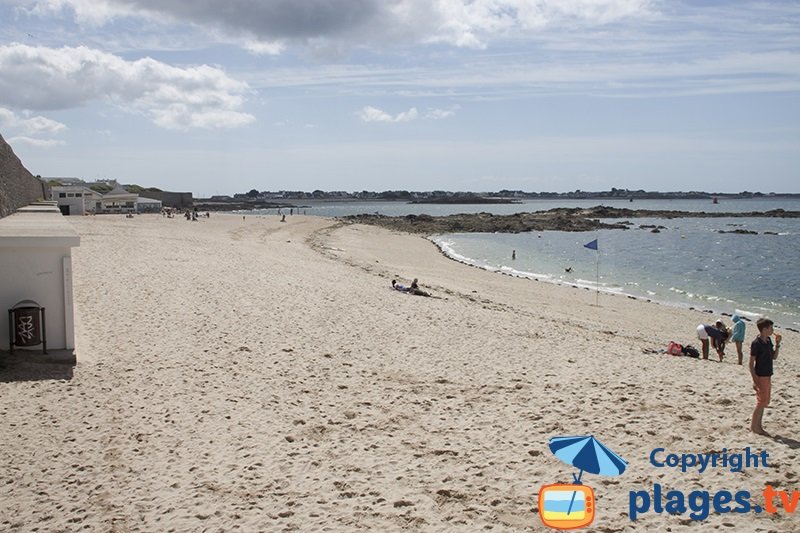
[{"x": 572, "y": 505}]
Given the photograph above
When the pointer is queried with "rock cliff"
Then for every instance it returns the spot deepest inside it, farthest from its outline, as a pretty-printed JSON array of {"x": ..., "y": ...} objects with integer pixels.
[{"x": 18, "y": 187}]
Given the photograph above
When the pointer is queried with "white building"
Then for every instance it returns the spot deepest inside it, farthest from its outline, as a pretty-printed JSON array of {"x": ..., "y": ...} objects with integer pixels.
[
  {"x": 36, "y": 266},
  {"x": 118, "y": 200},
  {"x": 75, "y": 200},
  {"x": 79, "y": 200},
  {"x": 148, "y": 205}
]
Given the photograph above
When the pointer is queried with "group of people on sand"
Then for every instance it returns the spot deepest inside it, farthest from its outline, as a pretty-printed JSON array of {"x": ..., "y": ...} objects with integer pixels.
[
  {"x": 412, "y": 289},
  {"x": 762, "y": 353},
  {"x": 718, "y": 334}
]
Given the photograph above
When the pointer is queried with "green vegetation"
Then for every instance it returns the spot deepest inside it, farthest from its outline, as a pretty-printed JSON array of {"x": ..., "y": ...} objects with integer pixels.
[{"x": 101, "y": 188}]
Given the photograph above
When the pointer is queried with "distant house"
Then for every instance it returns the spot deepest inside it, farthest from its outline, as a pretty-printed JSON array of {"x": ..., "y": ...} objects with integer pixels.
[
  {"x": 75, "y": 200},
  {"x": 148, "y": 205},
  {"x": 118, "y": 200},
  {"x": 66, "y": 182}
]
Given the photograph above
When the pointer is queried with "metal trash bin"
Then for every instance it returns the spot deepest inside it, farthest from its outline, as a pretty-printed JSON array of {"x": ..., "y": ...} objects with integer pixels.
[{"x": 26, "y": 325}]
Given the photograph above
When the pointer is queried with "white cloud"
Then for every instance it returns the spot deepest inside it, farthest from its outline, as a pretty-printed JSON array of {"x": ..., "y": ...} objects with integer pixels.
[
  {"x": 40, "y": 124},
  {"x": 272, "y": 48},
  {"x": 7, "y": 118},
  {"x": 29, "y": 126},
  {"x": 87, "y": 12},
  {"x": 40, "y": 143},
  {"x": 172, "y": 97},
  {"x": 439, "y": 114},
  {"x": 373, "y": 114}
]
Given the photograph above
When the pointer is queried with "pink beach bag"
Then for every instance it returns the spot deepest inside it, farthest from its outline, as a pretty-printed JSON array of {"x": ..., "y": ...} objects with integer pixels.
[{"x": 674, "y": 348}]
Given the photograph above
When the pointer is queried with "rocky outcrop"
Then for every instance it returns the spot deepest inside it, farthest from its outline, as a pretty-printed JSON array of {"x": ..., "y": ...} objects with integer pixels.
[
  {"x": 18, "y": 187},
  {"x": 558, "y": 219},
  {"x": 486, "y": 222}
]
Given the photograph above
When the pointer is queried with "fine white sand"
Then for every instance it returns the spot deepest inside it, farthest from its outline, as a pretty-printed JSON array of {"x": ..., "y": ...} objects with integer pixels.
[{"x": 254, "y": 375}]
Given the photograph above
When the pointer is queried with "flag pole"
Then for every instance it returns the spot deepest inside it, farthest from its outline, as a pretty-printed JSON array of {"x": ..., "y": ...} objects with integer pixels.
[
  {"x": 595, "y": 246},
  {"x": 597, "y": 279}
]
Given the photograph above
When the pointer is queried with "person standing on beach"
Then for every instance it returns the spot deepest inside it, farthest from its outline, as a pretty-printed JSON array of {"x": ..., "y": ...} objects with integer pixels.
[
  {"x": 738, "y": 335},
  {"x": 762, "y": 353}
]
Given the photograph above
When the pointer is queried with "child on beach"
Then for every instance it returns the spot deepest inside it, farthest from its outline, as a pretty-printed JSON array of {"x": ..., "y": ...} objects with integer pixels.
[
  {"x": 762, "y": 354},
  {"x": 399, "y": 286},
  {"x": 738, "y": 335}
]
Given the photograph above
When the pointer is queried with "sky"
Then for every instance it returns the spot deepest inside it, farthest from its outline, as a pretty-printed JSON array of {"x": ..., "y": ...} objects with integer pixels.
[{"x": 348, "y": 95}]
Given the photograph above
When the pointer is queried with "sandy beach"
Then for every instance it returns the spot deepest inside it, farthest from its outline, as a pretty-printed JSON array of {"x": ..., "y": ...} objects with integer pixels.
[{"x": 253, "y": 375}]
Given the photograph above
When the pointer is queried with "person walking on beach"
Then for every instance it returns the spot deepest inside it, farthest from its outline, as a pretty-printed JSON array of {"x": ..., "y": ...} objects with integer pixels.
[
  {"x": 762, "y": 353},
  {"x": 738, "y": 335}
]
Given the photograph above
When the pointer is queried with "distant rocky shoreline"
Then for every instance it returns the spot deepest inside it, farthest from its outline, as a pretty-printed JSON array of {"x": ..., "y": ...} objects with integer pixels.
[
  {"x": 558, "y": 219},
  {"x": 232, "y": 205},
  {"x": 465, "y": 200}
]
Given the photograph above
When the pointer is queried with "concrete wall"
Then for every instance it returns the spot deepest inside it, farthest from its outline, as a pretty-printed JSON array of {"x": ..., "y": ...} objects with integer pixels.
[
  {"x": 171, "y": 199},
  {"x": 36, "y": 264},
  {"x": 18, "y": 187}
]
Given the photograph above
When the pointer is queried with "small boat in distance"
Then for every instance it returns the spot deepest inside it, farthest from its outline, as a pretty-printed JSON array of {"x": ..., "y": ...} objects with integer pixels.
[{"x": 715, "y": 200}]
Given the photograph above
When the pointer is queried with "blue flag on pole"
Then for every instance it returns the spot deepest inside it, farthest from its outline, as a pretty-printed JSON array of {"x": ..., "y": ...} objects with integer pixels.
[{"x": 591, "y": 245}]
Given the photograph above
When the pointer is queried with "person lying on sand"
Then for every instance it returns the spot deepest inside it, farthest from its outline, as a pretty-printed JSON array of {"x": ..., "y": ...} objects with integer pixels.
[
  {"x": 399, "y": 286},
  {"x": 413, "y": 289}
]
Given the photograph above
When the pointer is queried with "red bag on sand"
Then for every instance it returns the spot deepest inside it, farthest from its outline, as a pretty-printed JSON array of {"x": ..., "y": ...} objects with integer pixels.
[{"x": 674, "y": 348}]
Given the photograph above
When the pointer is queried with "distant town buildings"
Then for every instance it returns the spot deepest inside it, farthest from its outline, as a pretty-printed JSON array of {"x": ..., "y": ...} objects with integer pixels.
[
  {"x": 255, "y": 195},
  {"x": 77, "y": 197},
  {"x": 81, "y": 200}
]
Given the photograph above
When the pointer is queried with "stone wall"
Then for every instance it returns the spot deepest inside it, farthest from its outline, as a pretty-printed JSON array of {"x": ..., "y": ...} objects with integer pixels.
[
  {"x": 18, "y": 187},
  {"x": 180, "y": 200}
]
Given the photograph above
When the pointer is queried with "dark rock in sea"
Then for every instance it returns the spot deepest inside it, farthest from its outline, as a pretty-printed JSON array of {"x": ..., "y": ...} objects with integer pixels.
[
  {"x": 558, "y": 219},
  {"x": 652, "y": 227},
  {"x": 739, "y": 231}
]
